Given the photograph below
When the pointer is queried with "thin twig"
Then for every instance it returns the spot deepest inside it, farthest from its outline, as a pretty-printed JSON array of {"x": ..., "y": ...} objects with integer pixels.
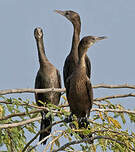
[
  {"x": 53, "y": 140},
  {"x": 40, "y": 142},
  {"x": 5, "y": 102},
  {"x": 113, "y": 110},
  {"x": 114, "y": 86},
  {"x": 116, "y": 132},
  {"x": 99, "y": 104},
  {"x": 88, "y": 140},
  {"x": 115, "y": 96},
  {"x": 41, "y": 131}
]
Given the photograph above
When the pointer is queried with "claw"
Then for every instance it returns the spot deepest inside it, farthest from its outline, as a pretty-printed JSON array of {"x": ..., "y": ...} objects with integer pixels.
[
  {"x": 43, "y": 115},
  {"x": 69, "y": 119},
  {"x": 83, "y": 122}
]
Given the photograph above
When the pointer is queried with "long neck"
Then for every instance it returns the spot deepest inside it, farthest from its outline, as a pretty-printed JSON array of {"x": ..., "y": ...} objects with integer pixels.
[
  {"x": 41, "y": 51},
  {"x": 82, "y": 55},
  {"x": 76, "y": 39}
]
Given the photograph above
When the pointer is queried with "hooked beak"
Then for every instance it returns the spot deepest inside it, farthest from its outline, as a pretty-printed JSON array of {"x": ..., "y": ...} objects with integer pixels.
[
  {"x": 60, "y": 12},
  {"x": 38, "y": 33},
  {"x": 100, "y": 38}
]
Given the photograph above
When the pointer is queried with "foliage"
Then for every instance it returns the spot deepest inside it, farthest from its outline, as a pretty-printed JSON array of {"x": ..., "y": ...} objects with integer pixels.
[{"x": 106, "y": 128}]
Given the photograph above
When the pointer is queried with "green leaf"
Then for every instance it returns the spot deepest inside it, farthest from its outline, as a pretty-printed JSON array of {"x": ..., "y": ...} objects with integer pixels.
[
  {"x": 123, "y": 118},
  {"x": 41, "y": 102},
  {"x": 57, "y": 143},
  {"x": 48, "y": 114},
  {"x": 30, "y": 129}
]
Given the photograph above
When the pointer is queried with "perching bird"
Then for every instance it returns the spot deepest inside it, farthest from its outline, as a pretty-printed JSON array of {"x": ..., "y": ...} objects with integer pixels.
[
  {"x": 47, "y": 77},
  {"x": 72, "y": 58},
  {"x": 79, "y": 89}
]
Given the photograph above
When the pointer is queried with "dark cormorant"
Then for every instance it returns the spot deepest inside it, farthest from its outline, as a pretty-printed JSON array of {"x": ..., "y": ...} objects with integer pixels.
[
  {"x": 79, "y": 89},
  {"x": 72, "y": 58},
  {"x": 47, "y": 77}
]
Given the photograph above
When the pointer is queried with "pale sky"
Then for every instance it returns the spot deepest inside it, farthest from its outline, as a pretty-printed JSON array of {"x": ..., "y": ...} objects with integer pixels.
[{"x": 112, "y": 59}]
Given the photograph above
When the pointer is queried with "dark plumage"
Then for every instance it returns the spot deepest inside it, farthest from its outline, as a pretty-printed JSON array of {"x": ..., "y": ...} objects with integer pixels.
[
  {"x": 47, "y": 77},
  {"x": 72, "y": 58},
  {"x": 79, "y": 89}
]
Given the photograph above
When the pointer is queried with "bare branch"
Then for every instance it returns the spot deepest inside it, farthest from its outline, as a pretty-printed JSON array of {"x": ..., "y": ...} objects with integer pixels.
[
  {"x": 41, "y": 131},
  {"x": 4, "y": 126},
  {"x": 53, "y": 140},
  {"x": 115, "y": 96},
  {"x": 89, "y": 140},
  {"x": 114, "y": 86},
  {"x": 30, "y": 90},
  {"x": 40, "y": 142},
  {"x": 113, "y": 110}
]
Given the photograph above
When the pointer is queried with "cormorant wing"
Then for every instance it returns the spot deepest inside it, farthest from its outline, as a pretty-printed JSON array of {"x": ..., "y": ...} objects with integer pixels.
[
  {"x": 88, "y": 66},
  {"x": 38, "y": 85},
  {"x": 66, "y": 70},
  {"x": 67, "y": 85},
  {"x": 89, "y": 91},
  {"x": 59, "y": 78}
]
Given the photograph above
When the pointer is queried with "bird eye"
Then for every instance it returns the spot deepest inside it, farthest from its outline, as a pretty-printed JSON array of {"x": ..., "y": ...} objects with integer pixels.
[{"x": 67, "y": 13}]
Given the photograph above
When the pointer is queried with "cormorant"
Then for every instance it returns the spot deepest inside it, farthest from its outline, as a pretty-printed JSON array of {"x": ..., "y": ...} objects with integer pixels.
[
  {"x": 72, "y": 58},
  {"x": 79, "y": 89},
  {"x": 47, "y": 77}
]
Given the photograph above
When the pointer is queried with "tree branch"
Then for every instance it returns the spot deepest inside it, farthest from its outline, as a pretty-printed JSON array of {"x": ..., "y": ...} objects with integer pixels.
[
  {"x": 53, "y": 140},
  {"x": 44, "y": 108},
  {"x": 5, "y": 102},
  {"x": 115, "y": 96},
  {"x": 19, "y": 123},
  {"x": 96, "y": 99},
  {"x": 116, "y": 132},
  {"x": 114, "y": 86},
  {"x": 20, "y": 114},
  {"x": 30, "y": 90},
  {"x": 41, "y": 131},
  {"x": 89, "y": 140},
  {"x": 113, "y": 110}
]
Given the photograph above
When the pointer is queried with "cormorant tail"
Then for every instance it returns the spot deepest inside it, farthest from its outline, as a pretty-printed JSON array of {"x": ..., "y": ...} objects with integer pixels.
[{"x": 45, "y": 122}]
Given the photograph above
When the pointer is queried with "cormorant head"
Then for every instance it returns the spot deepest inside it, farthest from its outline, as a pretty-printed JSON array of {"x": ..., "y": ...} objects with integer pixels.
[
  {"x": 88, "y": 41},
  {"x": 70, "y": 15},
  {"x": 38, "y": 33}
]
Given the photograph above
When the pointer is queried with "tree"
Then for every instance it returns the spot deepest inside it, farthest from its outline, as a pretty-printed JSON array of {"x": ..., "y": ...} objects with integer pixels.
[{"x": 18, "y": 116}]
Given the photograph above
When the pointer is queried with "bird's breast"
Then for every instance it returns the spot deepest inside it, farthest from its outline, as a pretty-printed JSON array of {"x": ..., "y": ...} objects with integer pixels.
[{"x": 78, "y": 87}]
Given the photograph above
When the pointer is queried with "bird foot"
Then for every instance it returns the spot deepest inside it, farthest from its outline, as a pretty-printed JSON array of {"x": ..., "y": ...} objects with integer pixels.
[
  {"x": 83, "y": 122},
  {"x": 43, "y": 115},
  {"x": 69, "y": 119}
]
